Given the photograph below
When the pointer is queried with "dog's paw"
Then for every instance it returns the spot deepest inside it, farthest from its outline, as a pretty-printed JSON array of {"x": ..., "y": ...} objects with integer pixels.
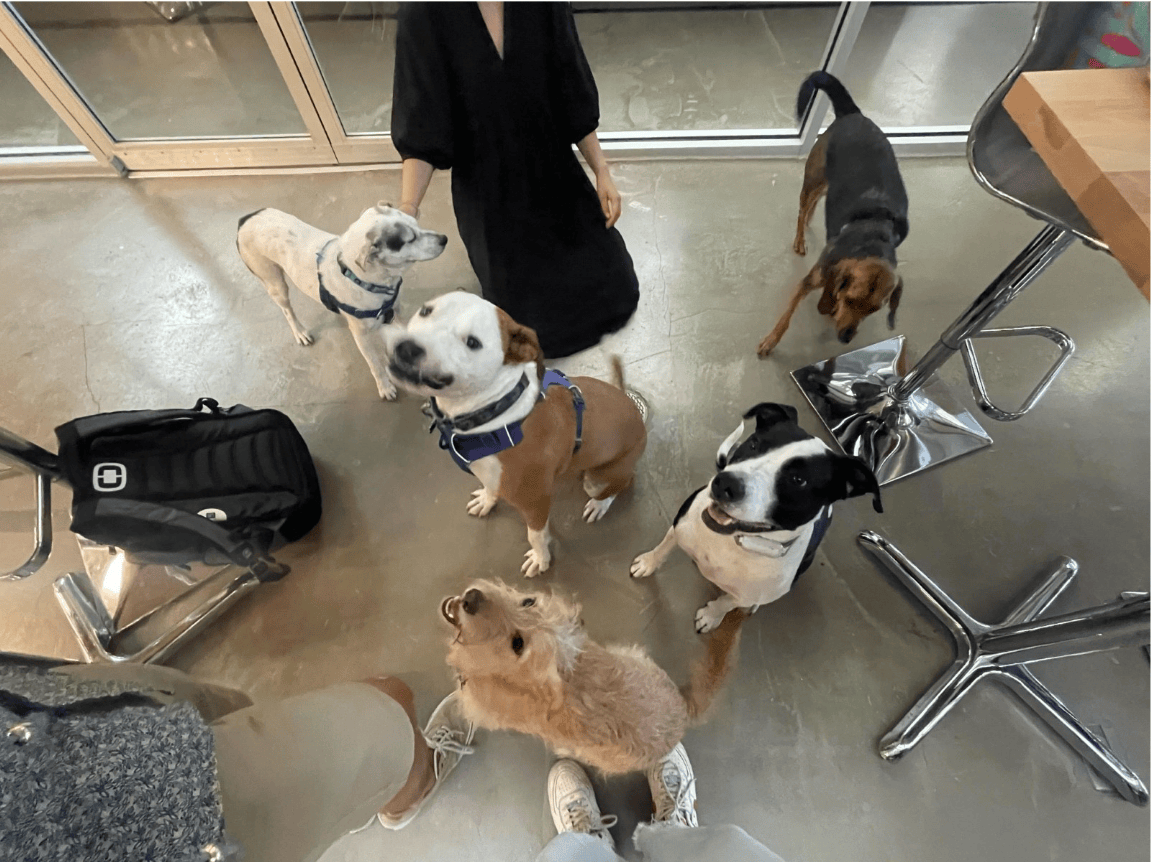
[
  {"x": 303, "y": 337},
  {"x": 387, "y": 391},
  {"x": 482, "y": 502},
  {"x": 767, "y": 345},
  {"x": 707, "y": 618},
  {"x": 800, "y": 246},
  {"x": 596, "y": 509},
  {"x": 534, "y": 563},
  {"x": 644, "y": 565}
]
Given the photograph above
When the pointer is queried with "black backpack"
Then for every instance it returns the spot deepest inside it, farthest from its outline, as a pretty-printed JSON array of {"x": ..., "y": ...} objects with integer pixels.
[{"x": 183, "y": 486}]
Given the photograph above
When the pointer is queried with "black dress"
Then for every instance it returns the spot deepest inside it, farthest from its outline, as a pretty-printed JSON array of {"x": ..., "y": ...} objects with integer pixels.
[{"x": 527, "y": 213}]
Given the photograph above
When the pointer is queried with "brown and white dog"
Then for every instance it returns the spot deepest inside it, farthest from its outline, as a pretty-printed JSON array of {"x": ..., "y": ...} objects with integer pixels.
[
  {"x": 472, "y": 359},
  {"x": 854, "y": 164},
  {"x": 525, "y": 663}
]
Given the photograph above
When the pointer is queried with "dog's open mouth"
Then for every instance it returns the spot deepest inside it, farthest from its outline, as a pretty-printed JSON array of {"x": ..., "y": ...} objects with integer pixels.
[
  {"x": 414, "y": 378},
  {"x": 718, "y": 521},
  {"x": 450, "y": 609}
]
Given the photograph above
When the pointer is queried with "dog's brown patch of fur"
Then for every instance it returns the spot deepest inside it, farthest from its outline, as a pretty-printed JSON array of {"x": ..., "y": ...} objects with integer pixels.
[
  {"x": 611, "y": 708},
  {"x": 520, "y": 342},
  {"x": 852, "y": 289}
]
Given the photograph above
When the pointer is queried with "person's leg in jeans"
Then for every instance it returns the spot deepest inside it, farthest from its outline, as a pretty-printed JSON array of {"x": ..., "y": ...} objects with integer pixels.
[
  {"x": 297, "y": 774},
  {"x": 583, "y": 832},
  {"x": 673, "y": 835}
]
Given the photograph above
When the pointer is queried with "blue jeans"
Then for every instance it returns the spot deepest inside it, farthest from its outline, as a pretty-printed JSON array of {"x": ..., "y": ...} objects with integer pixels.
[{"x": 664, "y": 844}]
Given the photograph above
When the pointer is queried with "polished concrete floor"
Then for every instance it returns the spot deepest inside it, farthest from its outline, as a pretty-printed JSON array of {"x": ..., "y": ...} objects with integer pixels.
[
  {"x": 695, "y": 67},
  {"x": 129, "y": 294}
]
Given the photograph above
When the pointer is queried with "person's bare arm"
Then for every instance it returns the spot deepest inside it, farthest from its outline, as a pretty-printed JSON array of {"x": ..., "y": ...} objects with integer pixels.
[
  {"x": 414, "y": 178},
  {"x": 609, "y": 199}
]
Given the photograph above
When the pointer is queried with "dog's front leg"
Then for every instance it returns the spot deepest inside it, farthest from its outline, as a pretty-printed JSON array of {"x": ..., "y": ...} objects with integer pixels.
[
  {"x": 647, "y": 564},
  {"x": 772, "y": 338},
  {"x": 712, "y": 614},
  {"x": 364, "y": 334},
  {"x": 539, "y": 558},
  {"x": 488, "y": 471}
]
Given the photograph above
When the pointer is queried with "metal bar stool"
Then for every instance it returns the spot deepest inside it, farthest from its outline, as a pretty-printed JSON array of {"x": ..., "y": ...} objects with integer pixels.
[
  {"x": 1002, "y": 652},
  {"x": 904, "y": 423},
  {"x": 92, "y": 599}
]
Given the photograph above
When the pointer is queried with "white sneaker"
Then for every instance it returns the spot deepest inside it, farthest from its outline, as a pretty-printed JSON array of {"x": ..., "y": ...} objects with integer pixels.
[
  {"x": 572, "y": 802},
  {"x": 672, "y": 783},
  {"x": 449, "y": 735}
]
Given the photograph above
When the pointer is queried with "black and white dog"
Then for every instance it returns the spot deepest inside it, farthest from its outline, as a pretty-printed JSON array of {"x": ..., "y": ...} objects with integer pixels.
[{"x": 756, "y": 525}]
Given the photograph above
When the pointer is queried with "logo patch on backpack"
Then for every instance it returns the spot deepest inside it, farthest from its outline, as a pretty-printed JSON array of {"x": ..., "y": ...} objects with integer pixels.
[{"x": 109, "y": 476}]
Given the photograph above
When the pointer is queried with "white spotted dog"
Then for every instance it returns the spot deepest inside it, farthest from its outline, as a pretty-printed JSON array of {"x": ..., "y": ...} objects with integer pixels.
[
  {"x": 356, "y": 275},
  {"x": 755, "y": 527},
  {"x": 517, "y": 426}
]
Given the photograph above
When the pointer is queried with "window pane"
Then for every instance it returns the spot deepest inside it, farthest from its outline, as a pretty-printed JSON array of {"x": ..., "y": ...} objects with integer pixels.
[
  {"x": 208, "y": 74},
  {"x": 927, "y": 64},
  {"x": 694, "y": 69},
  {"x": 27, "y": 120}
]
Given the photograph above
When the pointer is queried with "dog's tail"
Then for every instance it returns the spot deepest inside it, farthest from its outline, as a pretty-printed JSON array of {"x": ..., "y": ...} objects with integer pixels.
[
  {"x": 617, "y": 371},
  {"x": 708, "y": 674},
  {"x": 840, "y": 99}
]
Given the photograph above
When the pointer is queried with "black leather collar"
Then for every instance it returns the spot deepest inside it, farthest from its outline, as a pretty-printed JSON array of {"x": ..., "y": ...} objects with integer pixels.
[{"x": 485, "y": 414}]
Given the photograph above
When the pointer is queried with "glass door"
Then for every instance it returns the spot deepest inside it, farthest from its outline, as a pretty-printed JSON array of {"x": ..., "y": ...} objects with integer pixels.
[{"x": 173, "y": 85}]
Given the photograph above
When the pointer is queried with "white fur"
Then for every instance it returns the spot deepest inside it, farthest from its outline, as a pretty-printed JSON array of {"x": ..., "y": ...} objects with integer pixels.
[{"x": 280, "y": 250}]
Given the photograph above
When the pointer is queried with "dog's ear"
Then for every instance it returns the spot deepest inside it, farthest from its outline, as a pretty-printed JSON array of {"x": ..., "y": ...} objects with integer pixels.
[
  {"x": 384, "y": 205},
  {"x": 893, "y": 302},
  {"x": 520, "y": 342},
  {"x": 768, "y": 413},
  {"x": 823, "y": 278},
  {"x": 857, "y": 479}
]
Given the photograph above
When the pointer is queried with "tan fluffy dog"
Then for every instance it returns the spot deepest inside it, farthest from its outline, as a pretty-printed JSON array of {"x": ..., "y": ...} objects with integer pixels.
[{"x": 524, "y": 663}]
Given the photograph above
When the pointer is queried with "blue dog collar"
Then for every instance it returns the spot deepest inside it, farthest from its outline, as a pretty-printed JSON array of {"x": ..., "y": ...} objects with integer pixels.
[
  {"x": 386, "y": 312},
  {"x": 467, "y": 448}
]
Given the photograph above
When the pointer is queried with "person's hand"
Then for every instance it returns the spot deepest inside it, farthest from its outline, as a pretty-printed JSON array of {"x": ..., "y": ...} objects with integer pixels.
[
  {"x": 608, "y": 195},
  {"x": 410, "y": 208}
]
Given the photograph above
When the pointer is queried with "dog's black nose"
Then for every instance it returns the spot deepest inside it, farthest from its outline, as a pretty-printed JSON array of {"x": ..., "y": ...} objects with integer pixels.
[
  {"x": 472, "y": 600},
  {"x": 847, "y": 335},
  {"x": 727, "y": 488},
  {"x": 443, "y": 240},
  {"x": 408, "y": 352}
]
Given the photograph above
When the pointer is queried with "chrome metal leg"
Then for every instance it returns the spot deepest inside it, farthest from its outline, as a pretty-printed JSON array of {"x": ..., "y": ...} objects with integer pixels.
[
  {"x": 42, "y": 464},
  {"x": 157, "y": 634},
  {"x": 904, "y": 423},
  {"x": 1003, "y": 651}
]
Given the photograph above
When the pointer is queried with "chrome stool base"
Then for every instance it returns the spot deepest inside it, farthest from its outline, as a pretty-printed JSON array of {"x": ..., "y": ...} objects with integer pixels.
[
  {"x": 901, "y": 423},
  {"x": 851, "y": 395},
  {"x": 1002, "y": 652}
]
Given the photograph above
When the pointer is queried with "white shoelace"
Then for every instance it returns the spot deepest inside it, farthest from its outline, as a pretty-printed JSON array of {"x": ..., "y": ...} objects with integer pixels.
[
  {"x": 580, "y": 819},
  {"x": 673, "y": 802},
  {"x": 444, "y": 741}
]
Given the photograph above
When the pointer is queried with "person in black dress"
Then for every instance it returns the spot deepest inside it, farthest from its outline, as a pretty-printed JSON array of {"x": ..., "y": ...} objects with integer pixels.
[{"x": 499, "y": 93}]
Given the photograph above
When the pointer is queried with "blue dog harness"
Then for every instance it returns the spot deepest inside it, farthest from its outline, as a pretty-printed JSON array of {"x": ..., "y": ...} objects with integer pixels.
[
  {"x": 466, "y": 448},
  {"x": 385, "y": 313}
]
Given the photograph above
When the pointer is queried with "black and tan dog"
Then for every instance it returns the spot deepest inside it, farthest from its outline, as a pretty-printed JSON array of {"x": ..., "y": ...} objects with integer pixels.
[{"x": 853, "y": 163}]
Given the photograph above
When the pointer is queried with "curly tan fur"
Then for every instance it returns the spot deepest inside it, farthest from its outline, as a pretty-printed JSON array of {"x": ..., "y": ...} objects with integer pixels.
[{"x": 612, "y": 707}]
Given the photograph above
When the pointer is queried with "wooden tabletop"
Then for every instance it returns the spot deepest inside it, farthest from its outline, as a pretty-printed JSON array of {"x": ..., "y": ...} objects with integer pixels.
[{"x": 1091, "y": 128}]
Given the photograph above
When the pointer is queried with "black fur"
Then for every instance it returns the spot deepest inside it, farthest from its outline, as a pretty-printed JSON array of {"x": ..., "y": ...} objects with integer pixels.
[
  {"x": 803, "y": 485},
  {"x": 841, "y": 100},
  {"x": 679, "y": 516},
  {"x": 866, "y": 214}
]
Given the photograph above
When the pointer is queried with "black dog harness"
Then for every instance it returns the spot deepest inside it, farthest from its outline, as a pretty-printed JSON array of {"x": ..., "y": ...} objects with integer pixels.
[
  {"x": 385, "y": 313},
  {"x": 466, "y": 448}
]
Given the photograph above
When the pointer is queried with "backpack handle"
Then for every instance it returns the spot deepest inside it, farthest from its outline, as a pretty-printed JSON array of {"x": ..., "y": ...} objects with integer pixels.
[{"x": 241, "y": 552}]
